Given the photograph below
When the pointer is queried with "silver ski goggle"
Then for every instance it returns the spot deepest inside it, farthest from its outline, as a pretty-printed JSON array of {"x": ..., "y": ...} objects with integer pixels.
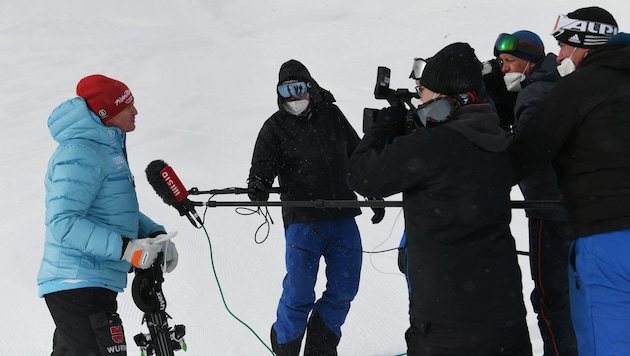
[{"x": 295, "y": 90}]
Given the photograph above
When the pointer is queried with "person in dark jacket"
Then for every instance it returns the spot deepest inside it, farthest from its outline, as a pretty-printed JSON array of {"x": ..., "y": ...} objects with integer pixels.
[
  {"x": 583, "y": 128},
  {"x": 529, "y": 73},
  {"x": 94, "y": 227},
  {"x": 454, "y": 173},
  {"x": 306, "y": 145}
]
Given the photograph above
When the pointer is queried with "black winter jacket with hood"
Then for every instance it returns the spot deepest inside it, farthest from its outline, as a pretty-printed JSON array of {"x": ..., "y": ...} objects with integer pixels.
[
  {"x": 308, "y": 153},
  {"x": 584, "y": 127},
  {"x": 455, "y": 179},
  {"x": 542, "y": 184}
]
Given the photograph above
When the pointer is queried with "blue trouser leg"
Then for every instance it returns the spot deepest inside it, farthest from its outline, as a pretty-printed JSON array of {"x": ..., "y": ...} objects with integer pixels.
[
  {"x": 338, "y": 241},
  {"x": 600, "y": 293},
  {"x": 402, "y": 259},
  {"x": 343, "y": 259}
]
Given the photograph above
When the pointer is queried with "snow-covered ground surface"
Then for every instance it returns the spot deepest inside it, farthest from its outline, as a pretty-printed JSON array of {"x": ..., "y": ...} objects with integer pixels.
[{"x": 203, "y": 73}]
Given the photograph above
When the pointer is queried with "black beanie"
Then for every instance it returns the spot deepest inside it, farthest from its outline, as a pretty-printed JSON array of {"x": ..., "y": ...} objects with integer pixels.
[
  {"x": 588, "y": 27},
  {"x": 453, "y": 70}
]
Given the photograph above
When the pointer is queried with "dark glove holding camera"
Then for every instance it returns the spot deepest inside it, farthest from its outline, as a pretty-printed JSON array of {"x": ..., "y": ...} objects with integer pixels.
[
  {"x": 493, "y": 79},
  {"x": 379, "y": 213},
  {"x": 393, "y": 118},
  {"x": 260, "y": 188},
  {"x": 491, "y": 66},
  {"x": 503, "y": 99}
]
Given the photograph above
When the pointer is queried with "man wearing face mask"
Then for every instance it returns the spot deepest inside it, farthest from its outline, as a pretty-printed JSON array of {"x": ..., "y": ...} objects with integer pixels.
[
  {"x": 575, "y": 41},
  {"x": 531, "y": 74},
  {"x": 582, "y": 127},
  {"x": 306, "y": 145}
]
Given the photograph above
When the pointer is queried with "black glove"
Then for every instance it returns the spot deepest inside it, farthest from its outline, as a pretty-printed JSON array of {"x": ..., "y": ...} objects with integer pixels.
[
  {"x": 260, "y": 192},
  {"x": 379, "y": 213},
  {"x": 394, "y": 118},
  {"x": 493, "y": 79},
  {"x": 495, "y": 88},
  {"x": 491, "y": 66}
]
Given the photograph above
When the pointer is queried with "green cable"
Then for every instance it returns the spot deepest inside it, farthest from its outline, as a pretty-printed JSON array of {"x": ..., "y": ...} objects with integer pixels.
[{"x": 216, "y": 278}]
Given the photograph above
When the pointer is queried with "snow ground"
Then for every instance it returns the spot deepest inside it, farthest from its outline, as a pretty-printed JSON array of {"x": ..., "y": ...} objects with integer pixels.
[{"x": 203, "y": 74}]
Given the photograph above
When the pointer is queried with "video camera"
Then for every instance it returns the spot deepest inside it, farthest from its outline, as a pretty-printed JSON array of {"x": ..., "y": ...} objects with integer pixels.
[{"x": 395, "y": 98}]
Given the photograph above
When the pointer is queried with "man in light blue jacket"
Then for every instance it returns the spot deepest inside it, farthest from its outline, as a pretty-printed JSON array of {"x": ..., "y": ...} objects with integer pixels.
[{"x": 94, "y": 228}]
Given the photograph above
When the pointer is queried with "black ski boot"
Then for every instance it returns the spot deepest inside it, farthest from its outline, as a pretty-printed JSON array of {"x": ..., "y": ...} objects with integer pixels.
[
  {"x": 320, "y": 340},
  {"x": 289, "y": 349}
]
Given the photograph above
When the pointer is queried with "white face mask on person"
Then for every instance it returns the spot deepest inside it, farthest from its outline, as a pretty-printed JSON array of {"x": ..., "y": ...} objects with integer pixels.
[
  {"x": 513, "y": 79},
  {"x": 296, "y": 107},
  {"x": 567, "y": 66}
]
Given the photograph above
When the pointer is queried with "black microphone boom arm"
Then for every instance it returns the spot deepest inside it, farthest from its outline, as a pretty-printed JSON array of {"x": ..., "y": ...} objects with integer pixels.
[
  {"x": 539, "y": 204},
  {"x": 195, "y": 191}
]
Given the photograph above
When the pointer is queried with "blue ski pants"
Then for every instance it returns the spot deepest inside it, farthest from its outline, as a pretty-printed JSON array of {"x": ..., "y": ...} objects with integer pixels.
[
  {"x": 339, "y": 243},
  {"x": 599, "y": 273}
]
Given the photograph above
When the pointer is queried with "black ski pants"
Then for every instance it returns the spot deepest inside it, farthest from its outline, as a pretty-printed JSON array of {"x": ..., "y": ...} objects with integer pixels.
[
  {"x": 429, "y": 339},
  {"x": 87, "y": 323},
  {"x": 549, "y": 262}
]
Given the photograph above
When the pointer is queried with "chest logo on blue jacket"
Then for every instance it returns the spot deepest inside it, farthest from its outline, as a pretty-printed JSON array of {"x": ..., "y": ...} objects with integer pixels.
[{"x": 119, "y": 161}]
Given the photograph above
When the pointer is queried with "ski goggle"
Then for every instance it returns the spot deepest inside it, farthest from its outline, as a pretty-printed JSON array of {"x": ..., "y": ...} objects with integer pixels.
[
  {"x": 418, "y": 68},
  {"x": 295, "y": 90},
  {"x": 508, "y": 43},
  {"x": 565, "y": 23}
]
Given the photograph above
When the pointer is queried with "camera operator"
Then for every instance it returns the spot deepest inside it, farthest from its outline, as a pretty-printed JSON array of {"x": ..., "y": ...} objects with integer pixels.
[
  {"x": 484, "y": 96},
  {"x": 454, "y": 173}
]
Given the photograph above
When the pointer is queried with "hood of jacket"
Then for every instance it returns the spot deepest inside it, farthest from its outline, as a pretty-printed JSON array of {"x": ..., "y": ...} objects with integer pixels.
[
  {"x": 72, "y": 119},
  {"x": 479, "y": 124},
  {"x": 545, "y": 70},
  {"x": 615, "y": 55},
  {"x": 293, "y": 69}
]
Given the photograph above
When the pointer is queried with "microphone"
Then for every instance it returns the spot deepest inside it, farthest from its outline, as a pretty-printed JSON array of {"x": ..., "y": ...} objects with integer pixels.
[{"x": 170, "y": 188}]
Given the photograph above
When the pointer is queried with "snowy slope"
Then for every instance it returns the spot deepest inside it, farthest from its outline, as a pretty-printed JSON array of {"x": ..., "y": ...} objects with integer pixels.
[{"x": 203, "y": 74}]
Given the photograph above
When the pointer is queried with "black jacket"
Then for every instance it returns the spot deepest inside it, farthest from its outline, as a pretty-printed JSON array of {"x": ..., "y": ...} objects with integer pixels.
[
  {"x": 542, "y": 184},
  {"x": 584, "y": 127},
  {"x": 308, "y": 153},
  {"x": 456, "y": 180}
]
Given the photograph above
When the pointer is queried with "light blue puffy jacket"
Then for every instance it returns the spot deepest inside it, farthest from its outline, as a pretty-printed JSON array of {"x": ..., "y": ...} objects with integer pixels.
[{"x": 90, "y": 202}]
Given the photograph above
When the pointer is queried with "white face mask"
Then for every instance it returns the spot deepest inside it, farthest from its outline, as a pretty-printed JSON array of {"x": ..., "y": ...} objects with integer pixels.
[
  {"x": 296, "y": 107},
  {"x": 513, "y": 81},
  {"x": 567, "y": 66}
]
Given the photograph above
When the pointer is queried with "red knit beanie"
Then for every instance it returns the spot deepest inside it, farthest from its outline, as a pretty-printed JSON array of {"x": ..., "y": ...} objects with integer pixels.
[{"x": 106, "y": 97}]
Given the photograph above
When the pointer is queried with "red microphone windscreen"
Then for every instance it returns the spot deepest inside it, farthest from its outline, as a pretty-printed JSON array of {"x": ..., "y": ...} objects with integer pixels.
[{"x": 174, "y": 184}]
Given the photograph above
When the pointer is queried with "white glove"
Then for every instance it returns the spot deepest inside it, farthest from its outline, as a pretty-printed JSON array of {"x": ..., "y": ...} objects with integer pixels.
[
  {"x": 170, "y": 252},
  {"x": 170, "y": 257},
  {"x": 142, "y": 252}
]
